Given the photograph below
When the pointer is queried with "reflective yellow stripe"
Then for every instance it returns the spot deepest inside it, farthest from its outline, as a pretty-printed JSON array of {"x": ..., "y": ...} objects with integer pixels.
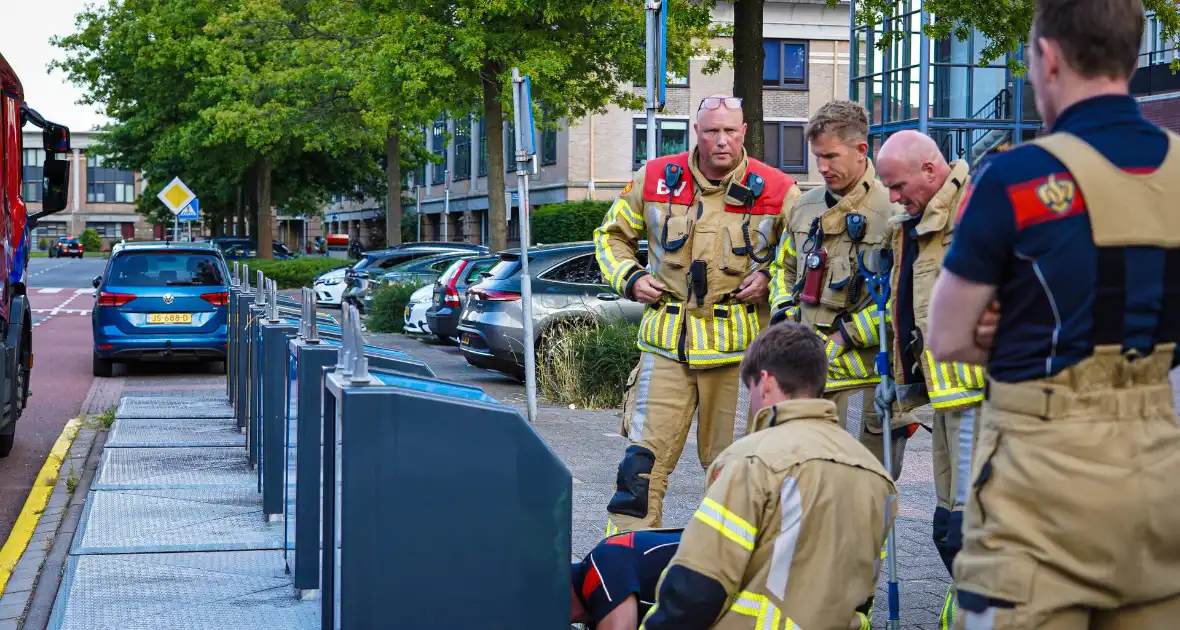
[
  {"x": 865, "y": 622},
  {"x": 946, "y": 618},
  {"x": 766, "y": 614},
  {"x": 612, "y": 268},
  {"x": 727, "y": 523},
  {"x": 623, "y": 209},
  {"x": 611, "y": 528},
  {"x": 790, "y": 245},
  {"x": 860, "y": 320}
]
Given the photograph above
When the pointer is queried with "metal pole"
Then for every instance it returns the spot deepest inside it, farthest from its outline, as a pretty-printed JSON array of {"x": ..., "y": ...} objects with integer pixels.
[
  {"x": 446, "y": 203},
  {"x": 176, "y": 227},
  {"x": 526, "y": 284},
  {"x": 880, "y": 285},
  {"x": 418, "y": 210},
  {"x": 923, "y": 77},
  {"x": 652, "y": 61}
]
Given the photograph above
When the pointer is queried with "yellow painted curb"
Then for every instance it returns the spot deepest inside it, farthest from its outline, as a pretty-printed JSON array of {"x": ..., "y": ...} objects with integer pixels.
[{"x": 30, "y": 514}]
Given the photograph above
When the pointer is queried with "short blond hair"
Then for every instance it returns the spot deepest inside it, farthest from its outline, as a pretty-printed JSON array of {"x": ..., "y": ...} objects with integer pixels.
[{"x": 846, "y": 120}]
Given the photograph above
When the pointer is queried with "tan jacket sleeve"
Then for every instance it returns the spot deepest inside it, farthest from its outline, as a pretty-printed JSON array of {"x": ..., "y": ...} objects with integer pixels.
[
  {"x": 617, "y": 239},
  {"x": 782, "y": 269}
]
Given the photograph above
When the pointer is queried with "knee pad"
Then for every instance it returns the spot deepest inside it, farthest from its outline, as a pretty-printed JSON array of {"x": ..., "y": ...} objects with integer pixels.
[
  {"x": 630, "y": 497},
  {"x": 942, "y": 518},
  {"x": 954, "y": 535}
]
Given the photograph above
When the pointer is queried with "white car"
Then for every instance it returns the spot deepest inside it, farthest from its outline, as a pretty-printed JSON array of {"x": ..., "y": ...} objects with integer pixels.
[
  {"x": 329, "y": 287},
  {"x": 419, "y": 303}
]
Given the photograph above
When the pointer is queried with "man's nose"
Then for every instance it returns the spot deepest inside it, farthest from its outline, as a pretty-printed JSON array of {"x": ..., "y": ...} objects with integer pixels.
[{"x": 894, "y": 196}]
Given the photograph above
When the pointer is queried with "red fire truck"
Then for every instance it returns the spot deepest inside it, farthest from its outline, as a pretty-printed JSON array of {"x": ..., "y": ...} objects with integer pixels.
[{"x": 15, "y": 226}]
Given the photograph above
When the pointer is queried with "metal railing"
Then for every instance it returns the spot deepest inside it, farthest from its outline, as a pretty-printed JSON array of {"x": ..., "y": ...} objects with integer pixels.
[{"x": 383, "y": 473}]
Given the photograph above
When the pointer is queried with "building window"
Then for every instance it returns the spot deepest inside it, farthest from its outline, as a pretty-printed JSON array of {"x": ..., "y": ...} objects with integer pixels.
[
  {"x": 108, "y": 185},
  {"x": 671, "y": 138},
  {"x": 462, "y": 149},
  {"x": 548, "y": 148},
  {"x": 50, "y": 229},
  {"x": 786, "y": 148},
  {"x": 33, "y": 174},
  {"x": 510, "y": 148},
  {"x": 438, "y": 146},
  {"x": 110, "y": 229},
  {"x": 483, "y": 146},
  {"x": 785, "y": 65}
]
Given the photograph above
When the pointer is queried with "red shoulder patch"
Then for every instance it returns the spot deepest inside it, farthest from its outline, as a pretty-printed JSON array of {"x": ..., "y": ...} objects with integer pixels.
[
  {"x": 778, "y": 184},
  {"x": 627, "y": 188},
  {"x": 655, "y": 182},
  {"x": 1045, "y": 199},
  {"x": 963, "y": 200},
  {"x": 623, "y": 540},
  {"x": 592, "y": 582}
]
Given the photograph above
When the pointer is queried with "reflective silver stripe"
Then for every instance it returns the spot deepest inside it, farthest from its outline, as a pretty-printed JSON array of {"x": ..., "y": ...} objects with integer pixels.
[
  {"x": 729, "y": 524},
  {"x": 697, "y": 357},
  {"x": 985, "y": 620},
  {"x": 740, "y": 328},
  {"x": 647, "y": 347},
  {"x": 963, "y": 464},
  {"x": 791, "y": 509},
  {"x": 670, "y": 325},
  {"x": 741, "y": 414},
  {"x": 647, "y": 365}
]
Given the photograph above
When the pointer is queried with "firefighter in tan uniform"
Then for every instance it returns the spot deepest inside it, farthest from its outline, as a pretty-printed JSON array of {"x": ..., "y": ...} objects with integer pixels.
[
  {"x": 1072, "y": 518},
  {"x": 713, "y": 220},
  {"x": 911, "y": 167},
  {"x": 790, "y": 531},
  {"x": 816, "y": 274}
]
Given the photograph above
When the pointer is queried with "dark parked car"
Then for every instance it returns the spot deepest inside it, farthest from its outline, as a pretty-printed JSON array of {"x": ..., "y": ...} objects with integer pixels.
[
  {"x": 420, "y": 271},
  {"x": 567, "y": 286},
  {"x": 449, "y": 291},
  {"x": 235, "y": 248},
  {"x": 377, "y": 262},
  {"x": 66, "y": 247}
]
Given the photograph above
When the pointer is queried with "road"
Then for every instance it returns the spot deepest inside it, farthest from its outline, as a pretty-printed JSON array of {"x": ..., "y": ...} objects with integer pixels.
[{"x": 60, "y": 296}]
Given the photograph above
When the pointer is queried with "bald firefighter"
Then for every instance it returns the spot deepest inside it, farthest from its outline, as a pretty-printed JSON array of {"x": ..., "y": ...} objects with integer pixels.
[
  {"x": 713, "y": 219},
  {"x": 1071, "y": 523},
  {"x": 790, "y": 531},
  {"x": 815, "y": 276},
  {"x": 911, "y": 167}
]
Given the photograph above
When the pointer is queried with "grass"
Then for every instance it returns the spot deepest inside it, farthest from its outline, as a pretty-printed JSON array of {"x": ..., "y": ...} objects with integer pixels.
[
  {"x": 587, "y": 364},
  {"x": 107, "y": 418},
  {"x": 73, "y": 479},
  {"x": 40, "y": 254}
]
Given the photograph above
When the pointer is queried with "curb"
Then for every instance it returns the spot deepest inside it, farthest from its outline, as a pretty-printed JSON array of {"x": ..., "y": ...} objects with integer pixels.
[{"x": 33, "y": 534}]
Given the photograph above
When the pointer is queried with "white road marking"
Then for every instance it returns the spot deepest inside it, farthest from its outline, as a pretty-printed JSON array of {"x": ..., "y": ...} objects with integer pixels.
[{"x": 57, "y": 290}]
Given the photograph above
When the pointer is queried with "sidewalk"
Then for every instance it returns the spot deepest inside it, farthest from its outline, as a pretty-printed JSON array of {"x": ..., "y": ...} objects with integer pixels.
[{"x": 173, "y": 533}]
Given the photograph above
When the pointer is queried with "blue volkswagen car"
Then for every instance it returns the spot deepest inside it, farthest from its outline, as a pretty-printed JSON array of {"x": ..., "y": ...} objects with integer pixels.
[{"x": 161, "y": 301}]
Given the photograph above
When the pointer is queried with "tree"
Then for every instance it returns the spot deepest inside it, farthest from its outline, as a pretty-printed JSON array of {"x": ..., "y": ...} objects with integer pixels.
[
  {"x": 580, "y": 56},
  {"x": 748, "y": 61}
]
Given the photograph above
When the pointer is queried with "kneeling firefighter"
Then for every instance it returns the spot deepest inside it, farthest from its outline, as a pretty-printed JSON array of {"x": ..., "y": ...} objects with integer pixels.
[{"x": 713, "y": 219}]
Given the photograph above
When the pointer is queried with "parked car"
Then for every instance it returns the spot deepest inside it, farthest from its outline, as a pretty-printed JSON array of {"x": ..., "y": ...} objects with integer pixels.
[
  {"x": 161, "y": 301},
  {"x": 422, "y": 271},
  {"x": 449, "y": 291},
  {"x": 567, "y": 286},
  {"x": 377, "y": 262},
  {"x": 66, "y": 247},
  {"x": 236, "y": 248},
  {"x": 416, "y": 323}
]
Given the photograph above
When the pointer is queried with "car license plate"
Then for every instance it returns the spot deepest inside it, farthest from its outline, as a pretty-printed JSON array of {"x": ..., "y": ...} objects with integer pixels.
[
  {"x": 170, "y": 318},
  {"x": 407, "y": 312},
  {"x": 466, "y": 340}
]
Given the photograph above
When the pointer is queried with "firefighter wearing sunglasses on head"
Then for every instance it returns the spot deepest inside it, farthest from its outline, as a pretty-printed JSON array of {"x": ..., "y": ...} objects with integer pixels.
[
  {"x": 713, "y": 219},
  {"x": 816, "y": 274}
]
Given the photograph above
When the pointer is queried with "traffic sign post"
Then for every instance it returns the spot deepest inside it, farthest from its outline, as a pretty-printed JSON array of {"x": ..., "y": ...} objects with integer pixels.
[
  {"x": 176, "y": 196},
  {"x": 190, "y": 213},
  {"x": 526, "y": 147}
]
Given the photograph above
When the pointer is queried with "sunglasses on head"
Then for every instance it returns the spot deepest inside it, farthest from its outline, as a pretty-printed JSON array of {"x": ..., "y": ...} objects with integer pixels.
[{"x": 715, "y": 102}]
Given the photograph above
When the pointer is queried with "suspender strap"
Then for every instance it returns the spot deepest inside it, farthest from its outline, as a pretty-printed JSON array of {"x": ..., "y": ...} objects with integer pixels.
[
  {"x": 1168, "y": 329},
  {"x": 1110, "y": 296}
]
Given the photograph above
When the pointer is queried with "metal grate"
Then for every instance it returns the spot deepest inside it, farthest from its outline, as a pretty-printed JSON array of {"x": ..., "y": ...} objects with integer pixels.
[
  {"x": 148, "y": 468},
  {"x": 180, "y": 432},
  {"x": 162, "y": 520},
  {"x": 192, "y": 591},
  {"x": 173, "y": 407}
]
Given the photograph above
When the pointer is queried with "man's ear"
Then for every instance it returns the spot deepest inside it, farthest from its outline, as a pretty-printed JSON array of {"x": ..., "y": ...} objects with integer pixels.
[
  {"x": 862, "y": 150},
  {"x": 1050, "y": 56},
  {"x": 767, "y": 384}
]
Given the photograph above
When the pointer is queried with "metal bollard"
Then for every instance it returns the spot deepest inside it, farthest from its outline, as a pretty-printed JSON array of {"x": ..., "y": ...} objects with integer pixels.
[
  {"x": 235, "y": 283},
  {"x": 257, "y": 313},
  {"x": 392, "y": 439},
  {"x": 272, "y": 353},
  {"x": 245, "y": 299}
]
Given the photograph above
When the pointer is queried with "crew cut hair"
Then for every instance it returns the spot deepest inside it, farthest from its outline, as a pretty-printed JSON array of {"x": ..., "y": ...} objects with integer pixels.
[
  {"x": 1098, "y": 38},
  {"x": 846, "y": 120},
  {"x": 793, "y": 354}
]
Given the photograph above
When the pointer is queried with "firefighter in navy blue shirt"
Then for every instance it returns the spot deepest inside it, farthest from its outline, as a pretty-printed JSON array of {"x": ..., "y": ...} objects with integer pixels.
[
  {"x": 1072, "y": 518},
  {"x": 615, "y": 584}
]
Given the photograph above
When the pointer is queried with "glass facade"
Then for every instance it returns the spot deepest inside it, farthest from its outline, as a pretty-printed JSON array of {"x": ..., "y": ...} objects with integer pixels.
[{"x": 945, "y": 91}]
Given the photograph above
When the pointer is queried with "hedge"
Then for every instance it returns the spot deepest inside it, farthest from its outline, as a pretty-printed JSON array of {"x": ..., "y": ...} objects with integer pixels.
[
  {"x": 293, "y": 273},
  {"x": 387, "y": 312},
  {"x": 567, "y": 222}
]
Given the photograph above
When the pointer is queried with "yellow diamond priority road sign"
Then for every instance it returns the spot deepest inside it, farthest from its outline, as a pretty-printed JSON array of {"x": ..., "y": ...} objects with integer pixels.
[{"x": 176, "y": 195}]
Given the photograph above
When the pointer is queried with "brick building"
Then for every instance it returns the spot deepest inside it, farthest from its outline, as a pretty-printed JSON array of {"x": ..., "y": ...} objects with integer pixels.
[
  {"x": 593, "y": 158},
  {"x": 1155, "y": 85}
]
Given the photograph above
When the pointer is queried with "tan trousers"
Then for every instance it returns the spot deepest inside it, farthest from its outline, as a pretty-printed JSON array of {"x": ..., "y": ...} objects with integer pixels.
[
  {"x": 1072, "y": 522},
  {"x": 663, "y": 397},
  {"x": 866, "y": 426}
]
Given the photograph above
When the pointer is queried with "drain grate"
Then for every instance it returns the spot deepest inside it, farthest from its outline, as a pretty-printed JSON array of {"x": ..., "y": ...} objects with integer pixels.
[
  {"x": 148, "y": 468},
  {"x": 173, "y": 407},
  {"x": 141, "y": 432}
]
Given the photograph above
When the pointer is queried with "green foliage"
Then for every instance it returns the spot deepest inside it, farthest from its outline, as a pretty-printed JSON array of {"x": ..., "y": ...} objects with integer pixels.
[
  {"x": 42, "y": 244},
  {"x": 1005, "y": 23},
  {"x": 387, "y": 313},
  {"x": 294, "y": 273},
  {"x": 409, "y": 226},
  {"x": 566, "y": 222},
  {"x": 587, "y": 364},
  {"x": 91, "y": 242}
]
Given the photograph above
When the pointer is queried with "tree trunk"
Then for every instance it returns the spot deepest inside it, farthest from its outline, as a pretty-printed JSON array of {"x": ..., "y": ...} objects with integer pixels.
[
  {"x": 493, "y": 111},
  {"x": 748, "y": 60},
  {"x": 393, "y": 181},
  {"x": 240, "y": 228},
  {"x": 265, "y": 249}
]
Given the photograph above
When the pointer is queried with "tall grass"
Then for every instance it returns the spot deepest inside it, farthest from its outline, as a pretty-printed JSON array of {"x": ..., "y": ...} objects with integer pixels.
[{"x": 587, "y": 364}]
